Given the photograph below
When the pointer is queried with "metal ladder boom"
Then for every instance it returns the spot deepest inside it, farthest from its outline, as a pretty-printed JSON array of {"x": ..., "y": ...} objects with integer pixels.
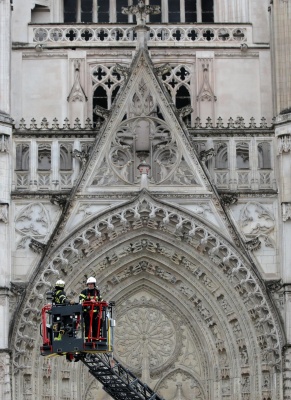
[{"x": 117, "y": 381}]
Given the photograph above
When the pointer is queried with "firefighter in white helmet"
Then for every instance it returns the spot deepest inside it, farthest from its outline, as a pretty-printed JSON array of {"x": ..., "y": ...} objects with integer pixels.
[
  {"x": 59, "y": 294},
  {"x": 91, "y": 293}
]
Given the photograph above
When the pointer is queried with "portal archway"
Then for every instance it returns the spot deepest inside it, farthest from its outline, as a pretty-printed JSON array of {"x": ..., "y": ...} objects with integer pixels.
[{"x": 170, "y": 270}]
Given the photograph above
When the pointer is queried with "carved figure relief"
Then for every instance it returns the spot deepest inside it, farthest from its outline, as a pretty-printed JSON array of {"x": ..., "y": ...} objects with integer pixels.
[
  {"x": 257, "y": 221},
  {"x": 32, "y": 222}
]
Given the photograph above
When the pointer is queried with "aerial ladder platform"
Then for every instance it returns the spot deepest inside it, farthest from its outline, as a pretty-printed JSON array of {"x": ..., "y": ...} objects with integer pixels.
[{"x": 84, "y": 332}]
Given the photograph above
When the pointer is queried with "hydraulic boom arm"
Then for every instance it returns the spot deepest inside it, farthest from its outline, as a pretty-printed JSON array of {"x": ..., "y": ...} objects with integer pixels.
[{"x": 117, "y": 381}]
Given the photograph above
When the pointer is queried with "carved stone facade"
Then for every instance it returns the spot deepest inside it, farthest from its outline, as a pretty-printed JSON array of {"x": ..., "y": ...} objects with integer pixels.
[{"x": 144, "y": 151}]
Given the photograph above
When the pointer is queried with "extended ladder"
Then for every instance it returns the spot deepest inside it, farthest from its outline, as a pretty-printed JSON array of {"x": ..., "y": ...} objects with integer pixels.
[{"x": 117, "y": 381}]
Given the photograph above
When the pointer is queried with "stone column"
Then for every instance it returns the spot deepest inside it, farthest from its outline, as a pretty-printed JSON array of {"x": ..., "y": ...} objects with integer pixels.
[
  {"x": 5, "y": 188},
  {"x": 283, "y": 135},
  {"x": 5, "y": 265},
  {"x": 5, "y": 40},
  {"x": 281, "y": 53}
]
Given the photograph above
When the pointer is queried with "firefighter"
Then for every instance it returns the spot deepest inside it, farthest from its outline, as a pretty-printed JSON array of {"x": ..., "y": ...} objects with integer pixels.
[
  {"x": 60, "y": 298},
  {"x": 59, "y": 294},
  {"x": 91, "y": 293}
]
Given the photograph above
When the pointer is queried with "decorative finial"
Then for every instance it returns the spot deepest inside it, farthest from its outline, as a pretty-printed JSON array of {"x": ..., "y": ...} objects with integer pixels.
[{"x": 141, "y": 11}]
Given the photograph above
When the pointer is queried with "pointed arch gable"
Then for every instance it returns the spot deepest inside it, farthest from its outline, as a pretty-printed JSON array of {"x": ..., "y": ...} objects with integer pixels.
[{"x": 191, "y": 260}]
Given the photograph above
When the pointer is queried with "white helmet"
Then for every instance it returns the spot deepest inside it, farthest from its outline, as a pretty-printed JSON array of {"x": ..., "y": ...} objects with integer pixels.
[
  {"x": 91, "y": 280},
  {"x": 60, "y": 283}
]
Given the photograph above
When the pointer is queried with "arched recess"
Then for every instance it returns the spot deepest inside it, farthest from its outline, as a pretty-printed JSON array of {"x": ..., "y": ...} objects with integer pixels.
[{"x": 166, "y": 269}]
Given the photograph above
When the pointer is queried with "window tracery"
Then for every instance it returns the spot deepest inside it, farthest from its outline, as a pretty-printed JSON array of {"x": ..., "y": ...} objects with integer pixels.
[
  {"x": 178, "y": 83},
  {"x": 106, "y": 84},
  {"x": 105, "y": 11}
]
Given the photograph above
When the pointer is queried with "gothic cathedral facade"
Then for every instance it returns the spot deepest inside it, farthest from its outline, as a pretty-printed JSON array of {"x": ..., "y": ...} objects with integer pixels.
[{"x": 147, "y": 144}]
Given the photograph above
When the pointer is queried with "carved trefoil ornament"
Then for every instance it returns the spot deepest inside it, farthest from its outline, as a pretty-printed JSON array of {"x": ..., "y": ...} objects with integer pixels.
[{"x": 77, "y": 92}]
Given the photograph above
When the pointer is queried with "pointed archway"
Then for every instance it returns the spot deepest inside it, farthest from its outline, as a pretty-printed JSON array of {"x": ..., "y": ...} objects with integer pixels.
[{"x": 189, "y": 305}]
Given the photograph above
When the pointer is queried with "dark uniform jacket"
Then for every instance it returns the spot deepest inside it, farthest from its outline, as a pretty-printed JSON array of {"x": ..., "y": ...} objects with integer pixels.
[
  {"x": 90, "y": 294},
  {"x": 59, "y": 296}
]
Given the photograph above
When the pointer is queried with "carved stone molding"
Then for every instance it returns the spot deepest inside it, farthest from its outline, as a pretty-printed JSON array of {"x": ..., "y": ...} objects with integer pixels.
[
  {"x": 59, "y": 199},
  {"x": 4, "y": 143},
  {"x": 77, "y": 92},
  {"x": 37, "y": 246},
  {"x": 122, "y": 70},
  {"x": 206, "y": 155},
  {"x": 81, "y": 156},
  {"x": 229, "y": 199},
  {"x": 253, "y": 244},
  {"x": 286, "y": 211},
  {"x": 284, "y": 144},
  {"x": 4, "y": 212}
]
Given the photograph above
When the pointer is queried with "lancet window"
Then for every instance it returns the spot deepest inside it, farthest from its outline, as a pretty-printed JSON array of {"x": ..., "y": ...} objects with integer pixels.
[
  {"x": 178, "y": 84},
  {"x": 242, "y": 156},
  {"x": 108, "y": 11},
  {"x": 106, "y": 84},
  {"x": 22, "y": 157},
  {"x": 221, "y": 156},
  {"x": 44, "y": 157},
  {"x": 264, "y": 155},
  {"x": 65, "y": 157}
]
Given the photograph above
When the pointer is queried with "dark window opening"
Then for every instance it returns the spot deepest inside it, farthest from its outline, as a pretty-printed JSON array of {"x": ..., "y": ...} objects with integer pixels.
[
  {"x": 86, "y": 10},
  {"x": 103, "y": 11},
  {"x": 207, "y": 11},
  {"x": 156, "y": 18},
  {"x": 190, "y": 11},
  {"x": 174, "y": 10},
  {"x": 70, "y": 11},
  {"x": 123, "y": 18},
  {"x": 182, "y": 97},
  {"x": 99, "y": 99}
]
